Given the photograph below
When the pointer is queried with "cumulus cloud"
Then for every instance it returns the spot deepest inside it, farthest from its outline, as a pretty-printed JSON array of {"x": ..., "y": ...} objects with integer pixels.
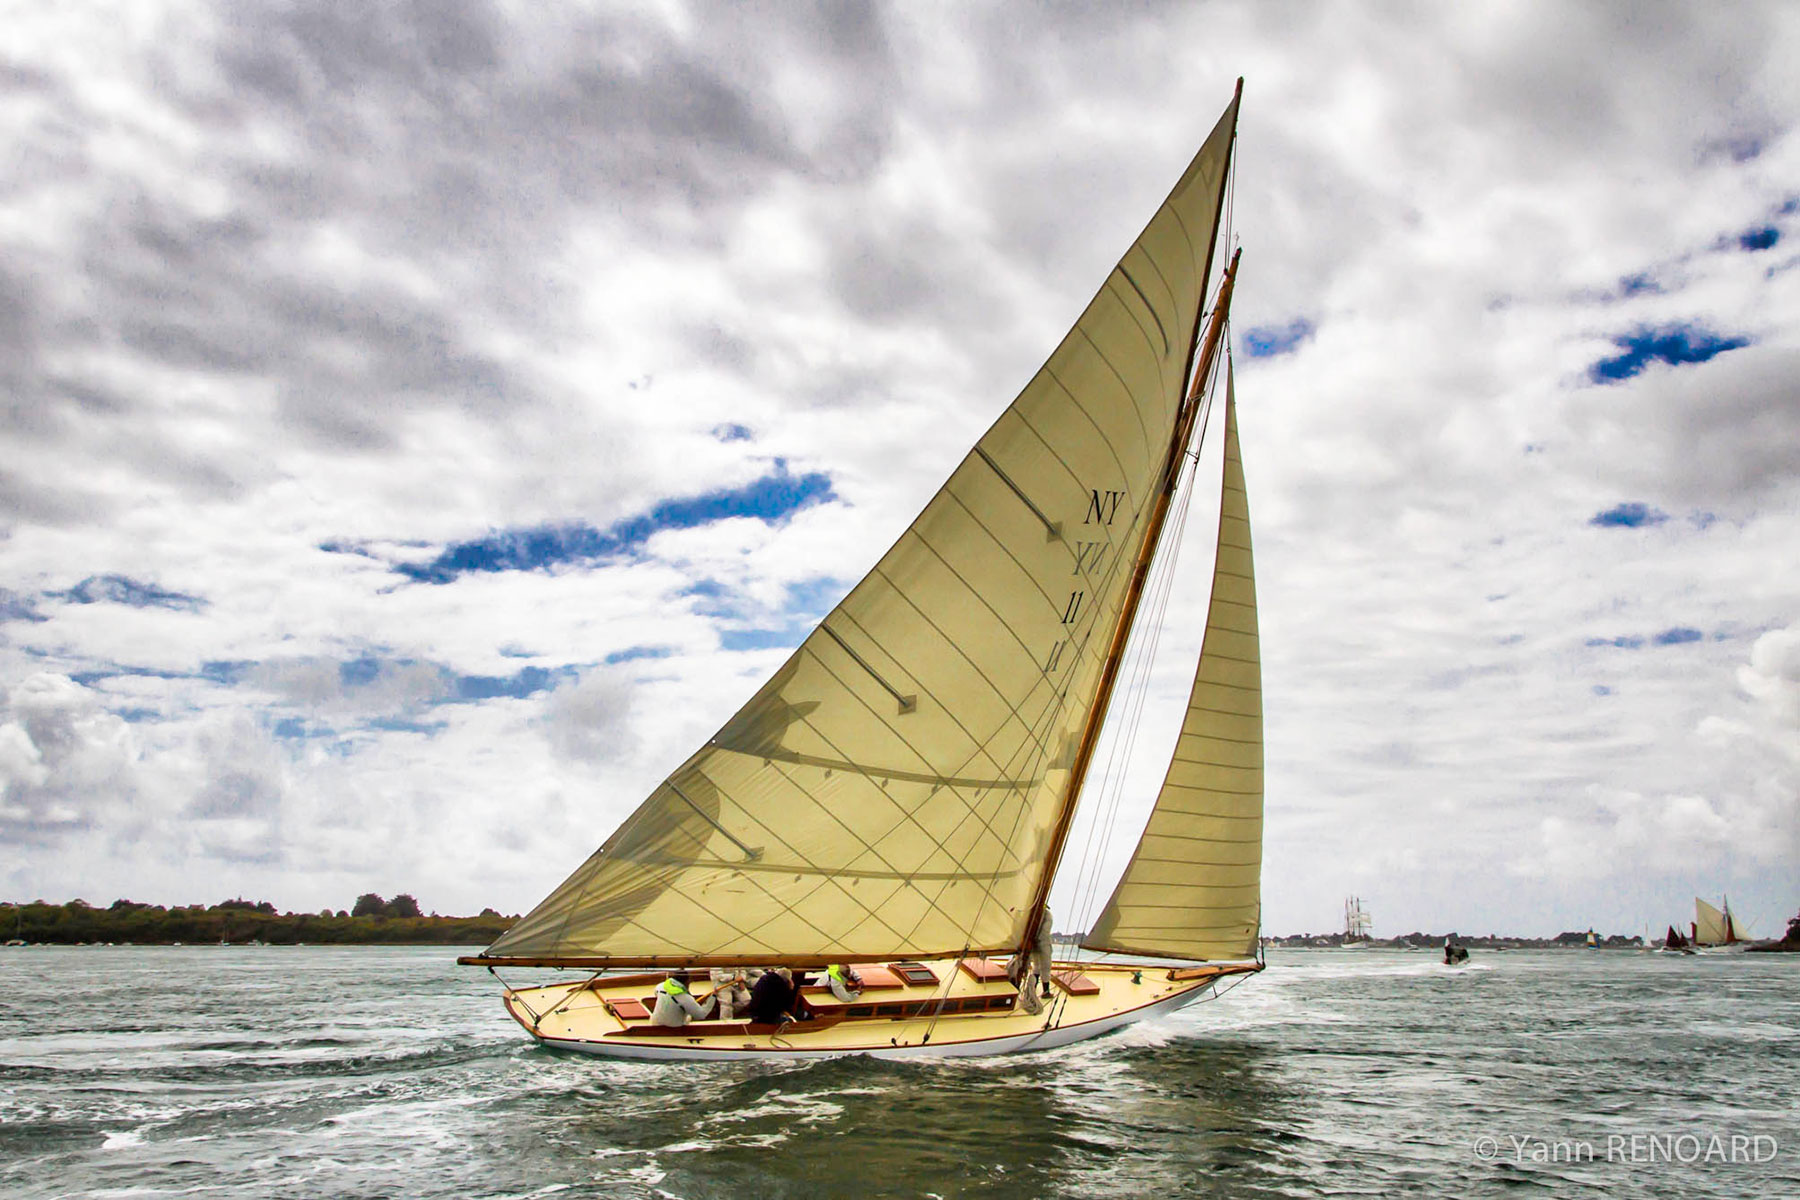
[
  {"x": 590, "y": 721},
  {"x": 1772, "y": 676},
  {"x": 65, "y": 762}
]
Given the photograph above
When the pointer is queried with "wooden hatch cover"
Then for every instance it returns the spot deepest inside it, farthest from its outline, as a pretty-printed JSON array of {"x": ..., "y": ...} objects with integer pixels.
[
  {"x": 1075, "y": 983},
  {"x": 629, "y": 1010},
  {"x": 984, "y": 970}
]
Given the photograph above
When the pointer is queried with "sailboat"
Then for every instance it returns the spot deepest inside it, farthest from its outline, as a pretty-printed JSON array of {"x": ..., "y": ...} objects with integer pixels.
[
  {"x": 1715, "y": 928},
  {"x": 896, "y": 799},
  {"x": 1674, "y": 943}
]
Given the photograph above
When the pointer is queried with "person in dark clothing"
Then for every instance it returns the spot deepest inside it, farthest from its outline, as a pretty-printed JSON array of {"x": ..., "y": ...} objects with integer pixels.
[{"x": 774, "y": 1000}]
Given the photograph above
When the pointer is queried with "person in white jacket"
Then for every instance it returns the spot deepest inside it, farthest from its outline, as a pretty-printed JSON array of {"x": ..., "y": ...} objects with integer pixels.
[
  {"x": 675, "y": 1005},
  {"x": 845, "y": 983}
]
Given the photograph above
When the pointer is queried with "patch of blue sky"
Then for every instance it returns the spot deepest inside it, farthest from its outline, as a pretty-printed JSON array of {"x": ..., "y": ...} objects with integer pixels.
[
  {"x": 1600, "y": 689},
  {"x": 1639, "y": 283},
  {"x": 525, "y": 682},
  {"x": 713, "y": 599},
  {"x": 360, "y": 672},
  {"x": 805, "y": 605},
  {"x": 343, "y": 547},
  {"x": 137, "y": 716},
  {"x": 454, "y": 688},
  {"x": 760, "y": 639},
  {"x": 1677, "y": 635},
  {"x": 1630, "y": 515},
  {"x": 732, "y": 433},
  {"x": 133, "y": 593},
  {"x": 814, "y": 597},
  {"x": 402, "y": 725},
  {"x": 1680, "y": 344},
  {"x": 296, "y": 729},
  {"x": 1269, "y": 341},
  {"x": 120, "y": 671},
  {"x": 1759, "y": 239},
  {"x": 772, "y": 499},
  {"x": 636, "y": 653}
]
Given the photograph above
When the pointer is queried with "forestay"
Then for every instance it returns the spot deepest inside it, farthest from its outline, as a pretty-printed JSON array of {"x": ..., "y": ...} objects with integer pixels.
[
  {"x": 1193, "y": 887},
  {"x": 892, "y": 789}
]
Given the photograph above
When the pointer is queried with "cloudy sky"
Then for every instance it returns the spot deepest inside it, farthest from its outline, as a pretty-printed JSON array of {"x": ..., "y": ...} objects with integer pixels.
[{"x": 425, "y": 424}]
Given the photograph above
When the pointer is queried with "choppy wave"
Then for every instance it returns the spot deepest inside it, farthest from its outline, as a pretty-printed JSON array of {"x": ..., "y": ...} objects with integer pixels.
[{"x": 372, "y": 1072}]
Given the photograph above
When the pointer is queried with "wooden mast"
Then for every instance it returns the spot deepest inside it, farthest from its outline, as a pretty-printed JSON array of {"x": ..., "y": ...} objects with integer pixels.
[
  {"x": 1184, "y": 428},
  {"x": 1115, "y": 652}
]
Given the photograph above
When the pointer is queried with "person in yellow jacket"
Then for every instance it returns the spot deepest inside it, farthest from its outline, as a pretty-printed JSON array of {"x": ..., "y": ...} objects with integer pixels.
[
  {"x": 675, "y": 1005},
  {"x": 845, "y": 984}
]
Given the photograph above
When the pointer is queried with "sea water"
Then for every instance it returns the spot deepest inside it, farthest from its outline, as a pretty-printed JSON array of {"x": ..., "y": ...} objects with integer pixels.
[{"x": 369, "y": 1071}]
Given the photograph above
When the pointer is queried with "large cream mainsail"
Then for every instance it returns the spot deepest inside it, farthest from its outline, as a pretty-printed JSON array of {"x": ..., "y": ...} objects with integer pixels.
[
  {"x": 1193, "y": 888},
  {"x": 892, "y": 790},
  {"x": 1712, "y": 927}
]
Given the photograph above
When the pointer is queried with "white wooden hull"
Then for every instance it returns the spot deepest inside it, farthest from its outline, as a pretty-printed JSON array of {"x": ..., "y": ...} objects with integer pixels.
[{"x": 1127, "y": 994}]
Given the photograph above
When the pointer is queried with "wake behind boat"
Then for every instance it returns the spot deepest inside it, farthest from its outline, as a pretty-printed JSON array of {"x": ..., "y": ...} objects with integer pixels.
[{"x": 899, "y": 795}]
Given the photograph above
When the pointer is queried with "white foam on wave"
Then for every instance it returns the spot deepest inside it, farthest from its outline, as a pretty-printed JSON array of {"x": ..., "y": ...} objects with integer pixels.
[{"x": 120, "y": 1139}]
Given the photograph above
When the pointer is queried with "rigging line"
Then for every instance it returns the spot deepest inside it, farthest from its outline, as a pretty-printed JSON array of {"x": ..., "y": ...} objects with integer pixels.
[
  {"x": 1159, "y": 604},
  {"x": 1122, "y": 751},
  {"x": 1100, "y": 834},
  {"x": 949, "y": 981},
  {"x": 1229, "y": 227},
  {"x": 1110, "y": 789}
]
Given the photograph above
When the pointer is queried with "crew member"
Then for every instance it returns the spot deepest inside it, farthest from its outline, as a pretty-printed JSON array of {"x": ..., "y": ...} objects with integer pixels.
[
  {"x": 1031, "y": 970},
  {"x": 675, "y": 1006},
  {"x": 773, "y": 999},
  {"x": 845, "y": 983},
  {"x": 731, "y": 988}
]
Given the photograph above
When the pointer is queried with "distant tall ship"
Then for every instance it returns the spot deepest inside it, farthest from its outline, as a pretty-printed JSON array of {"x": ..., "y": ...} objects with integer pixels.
[{"x": 1356, "y": 922}]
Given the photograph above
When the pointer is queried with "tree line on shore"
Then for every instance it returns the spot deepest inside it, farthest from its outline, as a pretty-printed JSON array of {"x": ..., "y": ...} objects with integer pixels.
[{"x": 371, "y": 921}]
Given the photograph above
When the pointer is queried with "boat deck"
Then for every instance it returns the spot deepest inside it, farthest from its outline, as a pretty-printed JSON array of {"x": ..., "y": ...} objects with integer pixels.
[{"x": 939, "y": 1007}]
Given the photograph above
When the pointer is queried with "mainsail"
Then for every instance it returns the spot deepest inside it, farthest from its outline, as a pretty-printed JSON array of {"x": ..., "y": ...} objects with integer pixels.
[
  {"x": 895, "y": 789},
  {"x": 1712, "y": 927},
  {"x": 1193, "y": 887}
]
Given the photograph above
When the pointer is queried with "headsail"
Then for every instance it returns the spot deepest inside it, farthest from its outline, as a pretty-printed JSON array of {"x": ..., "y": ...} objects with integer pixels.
[
  {"x": 1193, "y": 888},
  {"x": 892, "y": 789}
]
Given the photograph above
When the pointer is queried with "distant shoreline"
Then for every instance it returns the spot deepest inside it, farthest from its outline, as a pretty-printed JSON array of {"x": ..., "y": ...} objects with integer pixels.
[
  {"x": 234, "y": 923},
  {"x": 1435, "y": 941}
]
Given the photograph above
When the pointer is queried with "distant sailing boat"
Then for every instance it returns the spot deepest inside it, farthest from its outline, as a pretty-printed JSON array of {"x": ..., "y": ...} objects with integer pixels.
[
  {"x": 1714, "y": 928},
  {"x": 899, "y": 794}
]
